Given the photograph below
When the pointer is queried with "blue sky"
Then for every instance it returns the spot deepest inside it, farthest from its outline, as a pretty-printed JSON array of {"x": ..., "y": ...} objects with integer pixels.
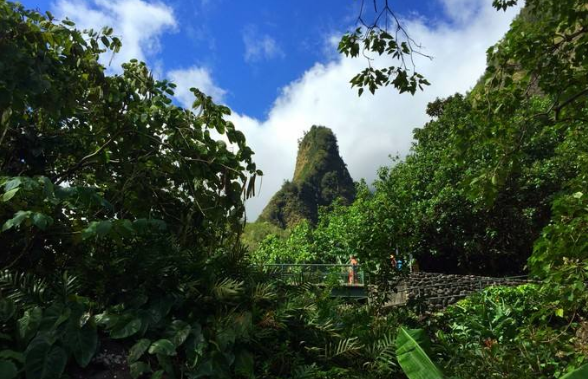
[
  {"x": 251, "y": 48},
  {"x": 275, "y": 64}
]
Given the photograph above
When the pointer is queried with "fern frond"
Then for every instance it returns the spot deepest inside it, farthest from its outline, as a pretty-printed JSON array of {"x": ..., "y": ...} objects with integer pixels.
[{"x": 227, "y": 289}]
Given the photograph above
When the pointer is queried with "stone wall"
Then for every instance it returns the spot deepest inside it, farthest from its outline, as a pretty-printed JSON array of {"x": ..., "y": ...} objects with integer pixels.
[{"x": 433, "y": 291}]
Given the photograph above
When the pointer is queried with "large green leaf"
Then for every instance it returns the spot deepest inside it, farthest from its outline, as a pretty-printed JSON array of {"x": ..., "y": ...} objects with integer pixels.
[
  {"x": 41, "y": 221},
  {"x": 8, "y": 370},
  {"x": 412, "y": 356},
  {"x": 13, "y": 355},
  {"x": 18, "y": 218},
  {"x": 138, "y": 349},
  {"x": 127, "y": 329},
  {"x": 579, "y": 373},
  {"x": 43, "y": 361},
  {"x": 82, "y": 341},
  {"x": 97, "y": 228},
  {"x": 139, "y": 368},
  {"x": 53, "y": 316},
  {"x": 178, "y": 332},
  {"x": 29, "y": 323},
  {"x": 244, "y": 364},
  {"x": 163, "y": 347},
  {"x": 9, "y": 194},
  {"x": 7, "y": 309}
]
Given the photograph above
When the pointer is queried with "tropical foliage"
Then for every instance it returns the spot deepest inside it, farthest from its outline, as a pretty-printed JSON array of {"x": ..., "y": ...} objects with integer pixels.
[{"x": 121, "y": 218}]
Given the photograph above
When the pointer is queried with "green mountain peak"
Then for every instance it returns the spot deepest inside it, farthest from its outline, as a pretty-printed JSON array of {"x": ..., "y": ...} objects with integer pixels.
[{"x": 319, "y": 178}]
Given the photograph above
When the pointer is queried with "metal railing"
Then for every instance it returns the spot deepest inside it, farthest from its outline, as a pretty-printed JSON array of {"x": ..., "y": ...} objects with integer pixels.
[{"x": 318, "y": 273}]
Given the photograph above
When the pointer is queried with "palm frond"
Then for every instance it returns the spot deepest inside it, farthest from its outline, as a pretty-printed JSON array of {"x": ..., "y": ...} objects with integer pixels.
[
  {"x": 64, "y": 285},
  {"x": 344, "y": 348},
  {"x": 227, "y": 289},
  {"x": 383, "y": 351},
  {"x": 264, "y": 292},
  {"x": 305, "y": 372},
  {"x": 23, "y": 288}
]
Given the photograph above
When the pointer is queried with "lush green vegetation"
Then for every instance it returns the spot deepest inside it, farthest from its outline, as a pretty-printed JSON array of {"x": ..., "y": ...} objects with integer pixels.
[
  {"x": 121, "y": 221},
  {"x": 320, "y": 177}
]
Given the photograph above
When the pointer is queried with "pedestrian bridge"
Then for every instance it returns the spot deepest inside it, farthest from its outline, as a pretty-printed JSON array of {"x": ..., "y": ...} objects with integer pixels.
[{"x": 346, "y": 280}]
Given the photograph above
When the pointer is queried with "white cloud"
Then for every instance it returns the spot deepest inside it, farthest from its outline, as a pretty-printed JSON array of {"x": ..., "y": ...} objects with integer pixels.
[
  {"x": 138, "y": 23},
  {"x": 370, "y": 128},
  {"x": 260, "y": 46},
  {"x": 461, "y": 11},
  {"x": 198, "y": 77}
]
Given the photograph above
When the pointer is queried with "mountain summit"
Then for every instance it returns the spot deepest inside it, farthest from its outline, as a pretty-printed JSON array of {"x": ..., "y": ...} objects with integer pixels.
[{"x": 320, "y": 177}]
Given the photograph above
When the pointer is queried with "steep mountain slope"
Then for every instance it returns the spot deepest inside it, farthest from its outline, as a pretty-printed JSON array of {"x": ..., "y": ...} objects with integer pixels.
[{"x": 320, "y": 177}]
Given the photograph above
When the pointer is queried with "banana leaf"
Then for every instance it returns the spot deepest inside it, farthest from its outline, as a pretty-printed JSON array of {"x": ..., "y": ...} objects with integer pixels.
[
  {"x": 412, "y": 353},
  {"x": 579, "y": 373}
]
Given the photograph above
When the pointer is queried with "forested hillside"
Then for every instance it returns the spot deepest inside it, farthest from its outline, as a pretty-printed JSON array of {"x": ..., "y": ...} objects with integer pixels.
[
  {"x": 122, "y": 216},
  {"x": 320, "y": 177}
]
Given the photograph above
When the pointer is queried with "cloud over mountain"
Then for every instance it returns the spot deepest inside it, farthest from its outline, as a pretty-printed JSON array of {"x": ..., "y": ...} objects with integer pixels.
[{"x": 371, "y": 128}]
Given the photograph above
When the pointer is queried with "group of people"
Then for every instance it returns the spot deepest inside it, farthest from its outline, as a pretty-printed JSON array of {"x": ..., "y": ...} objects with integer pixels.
[{"x": 395, "y": 264}]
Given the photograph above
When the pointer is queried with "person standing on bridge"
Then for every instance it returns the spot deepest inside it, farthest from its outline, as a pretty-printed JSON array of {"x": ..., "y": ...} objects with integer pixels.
[
  {"x": 393, "y": 262},
  {"x": 352, "y": 270}
]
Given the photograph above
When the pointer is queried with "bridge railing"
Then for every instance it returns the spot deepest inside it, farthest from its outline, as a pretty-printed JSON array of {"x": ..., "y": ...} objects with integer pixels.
[{"x": 319, "y": 273}]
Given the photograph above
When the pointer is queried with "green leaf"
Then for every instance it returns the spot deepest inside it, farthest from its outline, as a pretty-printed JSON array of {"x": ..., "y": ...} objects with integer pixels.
[
  {"x": 7, "y": 309},
  {"x": 29, "y": 323},
  {"x": 166, "y": 364},
  {"x": 43, "y": 361},
  {"x": 41, "y": 220},
  {"x": 178, "y": 332},
  {"x": 6, "y": 116},
  {"x": 13, "y": 355},
  {"x": 160, "y": 308},
  {"x": 13, "y": 183},
  {"x": 157, "y": 374},
  {"x": 8, "y": 370},
  {"x": 138, "y": 349},
  {"x": 97, "y": 228},
  {"x": 412, "y": 356},
  {"x": 127, "y": 330},
  {"x": 559, "y": 312},
  {"x": 18, "y": 218},
  {"x": 163, "y": 347},
  {"x": 53, "y": 316},
  {"x": 82, "y": 341},
  {"x": 579, "y": 373},
  {"x": 244, "y": 364},
  {"x": 139, "y": 368},
  {"x": 9, "y": 194}
]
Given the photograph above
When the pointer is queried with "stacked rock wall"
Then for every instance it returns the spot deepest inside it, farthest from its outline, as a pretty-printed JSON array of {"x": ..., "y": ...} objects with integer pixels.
[{"x": 434, "y": 291}]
